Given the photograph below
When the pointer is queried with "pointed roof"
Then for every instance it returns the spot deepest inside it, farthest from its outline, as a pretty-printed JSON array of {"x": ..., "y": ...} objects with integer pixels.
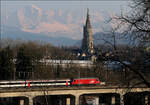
[
  {"x": 87, "y": 12},
  {"x": 88, "y": 24}
]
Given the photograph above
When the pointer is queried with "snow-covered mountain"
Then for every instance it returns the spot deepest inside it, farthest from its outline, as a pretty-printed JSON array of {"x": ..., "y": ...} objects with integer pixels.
[
  {"x": 56, "y": 26},
  {"x": 15, "y": 33}
]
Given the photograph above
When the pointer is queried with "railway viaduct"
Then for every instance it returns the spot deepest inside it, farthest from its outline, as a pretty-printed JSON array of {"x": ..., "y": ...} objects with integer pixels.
[{"x": 76, "y": 92}]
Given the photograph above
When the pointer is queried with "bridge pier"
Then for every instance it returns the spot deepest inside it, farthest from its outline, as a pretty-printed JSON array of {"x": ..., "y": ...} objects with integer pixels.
[
  {"x": 77, "y": 99},
  {"x": 68, "y": 101},
  {"x": 146, "y": 100},
  {"x": 21, "y": 101},
  {"x": 113, "y": 100},
  {"x": 30, "y": 100},
  {"x": 121, "y": 99},
  {"x": 97, "y": 101}
]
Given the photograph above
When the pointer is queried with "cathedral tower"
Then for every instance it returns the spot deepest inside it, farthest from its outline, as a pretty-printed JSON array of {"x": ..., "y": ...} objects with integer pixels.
[{"x": 87, "y": 42}]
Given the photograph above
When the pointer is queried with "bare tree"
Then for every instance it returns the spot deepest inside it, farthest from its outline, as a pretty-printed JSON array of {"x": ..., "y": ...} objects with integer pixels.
[
  {"x": 138, "y": 21},
  {"x": 137, "y": 25}
]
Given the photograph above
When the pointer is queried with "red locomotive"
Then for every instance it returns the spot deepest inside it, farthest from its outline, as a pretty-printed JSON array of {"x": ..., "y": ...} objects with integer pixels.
[{"x": 85, "y": 81}]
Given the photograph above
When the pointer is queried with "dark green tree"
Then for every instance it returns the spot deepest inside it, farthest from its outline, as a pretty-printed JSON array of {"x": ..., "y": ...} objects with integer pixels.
[
  {"x": 7, "y": 67},
  {"x": 24, "y": 63},
  {"x": 28, "y": 60}
]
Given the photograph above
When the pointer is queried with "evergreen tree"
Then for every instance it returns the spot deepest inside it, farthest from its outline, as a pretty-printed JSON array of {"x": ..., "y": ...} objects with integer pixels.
[
  {"x": 7, "y": 67},
  {"x": 24, "y": 63}
]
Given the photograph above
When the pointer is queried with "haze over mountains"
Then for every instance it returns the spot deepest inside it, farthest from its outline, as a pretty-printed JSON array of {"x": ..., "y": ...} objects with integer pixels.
[
  {"x": 15, "y": 33},
  {"x": 57, "y": 27}
]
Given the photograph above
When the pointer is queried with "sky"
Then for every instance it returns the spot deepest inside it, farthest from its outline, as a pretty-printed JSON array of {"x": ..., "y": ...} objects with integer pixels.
[{"x": 59, "y": 18}]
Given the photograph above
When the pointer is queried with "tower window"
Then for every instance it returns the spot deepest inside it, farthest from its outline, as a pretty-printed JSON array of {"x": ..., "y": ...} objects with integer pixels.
[{"x": 91, "y": 45}]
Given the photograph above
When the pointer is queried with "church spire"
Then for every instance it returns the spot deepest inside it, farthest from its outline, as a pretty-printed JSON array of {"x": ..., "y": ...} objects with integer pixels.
[
  {"x": 88, "y": 24},
  {"x": 87, "y": 12},
  {"x": 87, "y": 42}
]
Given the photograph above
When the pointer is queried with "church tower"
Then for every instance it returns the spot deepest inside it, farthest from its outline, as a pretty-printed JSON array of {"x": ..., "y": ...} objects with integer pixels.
[{"x": 87, "y": 42}]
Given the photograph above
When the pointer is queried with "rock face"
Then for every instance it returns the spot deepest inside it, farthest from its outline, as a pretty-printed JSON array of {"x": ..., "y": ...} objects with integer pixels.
[{"x": 87, "y": 42}]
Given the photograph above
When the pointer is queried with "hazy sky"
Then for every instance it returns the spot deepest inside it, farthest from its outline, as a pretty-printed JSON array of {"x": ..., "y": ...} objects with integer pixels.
[{"x": 59, "y": 18}]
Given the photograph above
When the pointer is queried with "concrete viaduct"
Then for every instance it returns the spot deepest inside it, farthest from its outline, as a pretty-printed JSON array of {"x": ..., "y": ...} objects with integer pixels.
[{"x": 31, "y": 93}]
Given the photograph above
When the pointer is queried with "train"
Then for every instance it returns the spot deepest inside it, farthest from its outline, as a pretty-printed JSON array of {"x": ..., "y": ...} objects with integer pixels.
[{"x": 49, "y": 83}]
